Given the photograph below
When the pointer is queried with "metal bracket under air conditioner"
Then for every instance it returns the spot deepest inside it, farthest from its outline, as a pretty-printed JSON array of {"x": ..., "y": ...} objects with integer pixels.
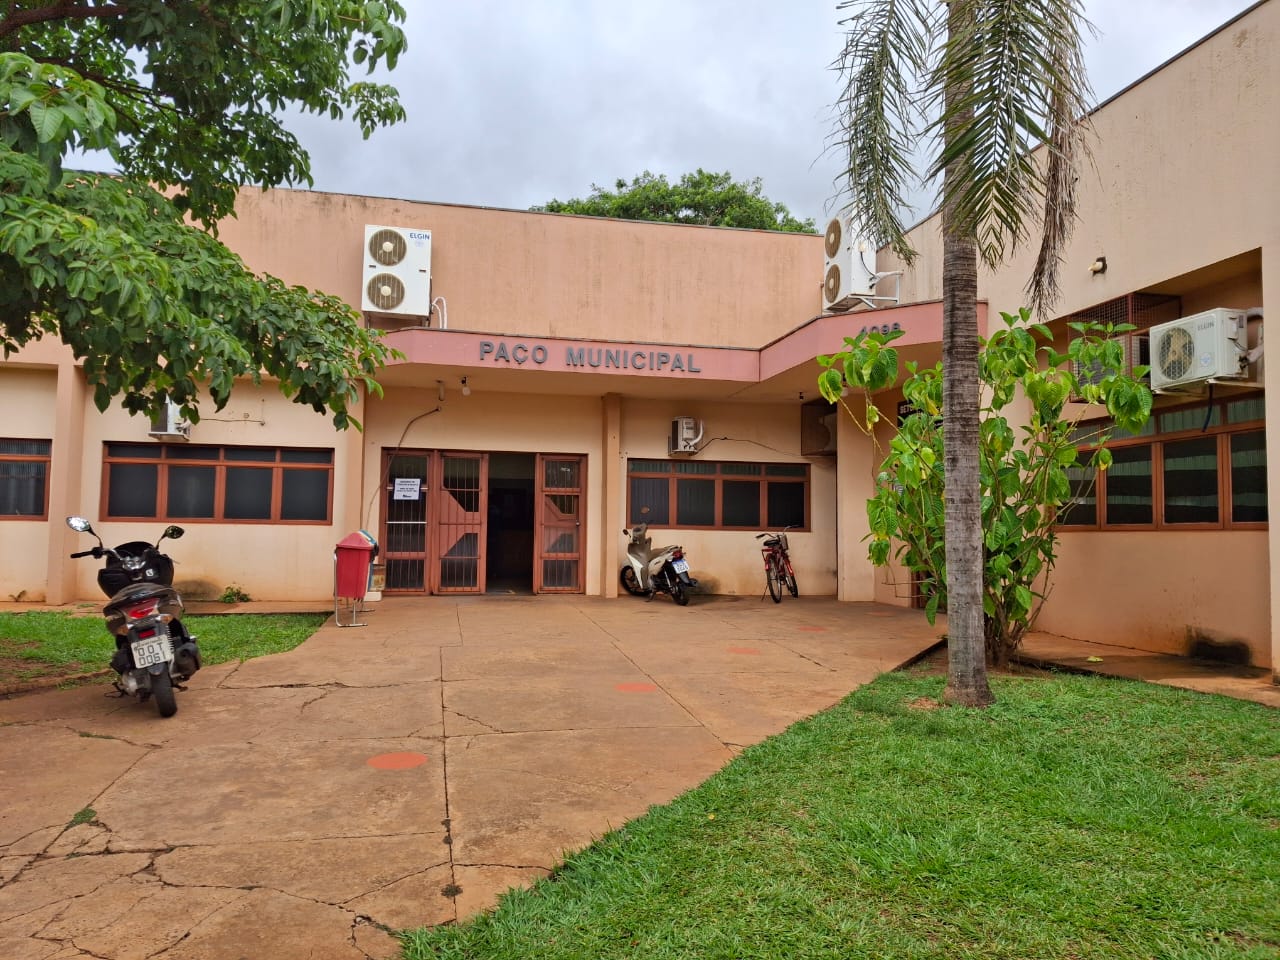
[{"x": 874, "y": 300}]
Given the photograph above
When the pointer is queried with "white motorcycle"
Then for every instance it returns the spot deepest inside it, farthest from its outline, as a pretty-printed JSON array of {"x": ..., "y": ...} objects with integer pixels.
[{"x": 649, "y": 571}]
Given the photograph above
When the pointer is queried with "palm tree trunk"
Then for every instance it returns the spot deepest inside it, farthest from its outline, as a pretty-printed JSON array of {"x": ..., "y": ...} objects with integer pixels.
[{"x": 966, "y": 642}]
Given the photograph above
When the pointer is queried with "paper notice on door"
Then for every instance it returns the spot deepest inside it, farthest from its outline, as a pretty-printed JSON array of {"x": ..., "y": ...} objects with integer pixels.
[{"x": 407, "y": 488}]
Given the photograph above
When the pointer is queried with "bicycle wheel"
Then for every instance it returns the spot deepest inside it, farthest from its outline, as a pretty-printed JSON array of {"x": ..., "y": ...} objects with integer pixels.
[
  {"x": 773, "y": 574},
  {"x": 791, "y": 582}
]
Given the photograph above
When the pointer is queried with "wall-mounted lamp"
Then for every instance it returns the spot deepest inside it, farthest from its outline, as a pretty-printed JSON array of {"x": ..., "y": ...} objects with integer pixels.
[
  {"x": 466, "y": 388},
  {"x": 1098, "y": 266}
]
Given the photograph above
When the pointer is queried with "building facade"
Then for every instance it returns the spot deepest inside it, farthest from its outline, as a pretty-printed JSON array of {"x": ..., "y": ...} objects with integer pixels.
[{"x": 530, "y": 417}]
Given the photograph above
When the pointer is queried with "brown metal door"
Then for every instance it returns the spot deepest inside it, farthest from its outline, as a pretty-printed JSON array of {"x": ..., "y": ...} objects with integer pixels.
[
  {"x": 459, "y": 513},
  {"x": 557, "y": 562},
  {"x": 403, "y": 539}
]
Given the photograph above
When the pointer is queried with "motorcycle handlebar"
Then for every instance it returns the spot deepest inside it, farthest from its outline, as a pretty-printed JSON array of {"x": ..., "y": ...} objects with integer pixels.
[{"x": 82, "y": 553}]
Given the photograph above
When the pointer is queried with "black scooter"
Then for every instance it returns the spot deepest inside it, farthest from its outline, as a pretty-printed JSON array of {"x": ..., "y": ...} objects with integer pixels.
[{"x": 154, "y": 652}]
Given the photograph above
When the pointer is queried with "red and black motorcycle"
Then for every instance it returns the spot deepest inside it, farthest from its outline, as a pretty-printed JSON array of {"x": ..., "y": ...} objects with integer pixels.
[{"x": 154, "y": 652}]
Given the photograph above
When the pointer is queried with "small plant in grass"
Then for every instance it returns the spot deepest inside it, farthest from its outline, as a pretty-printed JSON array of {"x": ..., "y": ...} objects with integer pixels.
[
  {"x": 84, "y": 816},
  {"x": 1031, "y": 474},
  {"x": 234, "y": 594}
]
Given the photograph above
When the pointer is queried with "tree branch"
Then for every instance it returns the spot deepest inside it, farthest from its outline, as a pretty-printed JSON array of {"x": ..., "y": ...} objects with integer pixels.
[{"x": 16, "y": 20}]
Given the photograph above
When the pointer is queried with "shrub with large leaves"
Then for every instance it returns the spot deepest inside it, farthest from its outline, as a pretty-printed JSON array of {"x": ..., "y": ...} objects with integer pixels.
[{"x": 1025, "y": 469}]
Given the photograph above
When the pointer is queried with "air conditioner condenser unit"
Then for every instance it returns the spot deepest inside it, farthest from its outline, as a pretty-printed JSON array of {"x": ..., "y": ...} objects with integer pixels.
[
  {"x": 1204, "y": 347},
  {"x": 169, "y": 425},
  {"x": 397, "y": 271},
  {"x": 686, "y": 434},
  {"x": 850, "y": 272}
]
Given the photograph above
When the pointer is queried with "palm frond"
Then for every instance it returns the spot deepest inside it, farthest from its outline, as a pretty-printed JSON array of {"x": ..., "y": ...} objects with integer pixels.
[
  {"x": 1019, "y": 65},
  {"x": 1068, "y": 146},
  {"x": 883, "y": 62}
]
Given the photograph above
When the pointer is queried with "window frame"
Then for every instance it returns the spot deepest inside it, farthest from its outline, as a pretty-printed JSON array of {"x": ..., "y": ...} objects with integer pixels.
[
  {"x": 171, "y": 455},
  {"x": 1222, "y": 432},
  {"x": 46, "y": 459},
  {"x": 719, "y": 477}
]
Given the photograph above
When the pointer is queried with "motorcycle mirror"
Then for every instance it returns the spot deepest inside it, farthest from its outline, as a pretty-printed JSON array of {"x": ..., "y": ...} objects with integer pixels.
[
  {"x": 79, "y": 524},
  {"x": 172, "y": 533}
]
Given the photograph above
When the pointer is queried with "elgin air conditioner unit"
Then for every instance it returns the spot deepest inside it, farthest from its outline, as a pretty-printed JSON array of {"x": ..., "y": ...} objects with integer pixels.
[
  {"x": 1207, "y": 347},
  {"x": 169, "y": 425},
  {"x": 850, "y": 275},
  {"x": 686, "y": 434},
  {"x": 397, "y": 271}
]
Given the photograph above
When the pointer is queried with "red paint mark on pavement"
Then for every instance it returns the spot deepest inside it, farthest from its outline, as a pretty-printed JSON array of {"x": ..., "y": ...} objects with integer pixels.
[
  {"x": 397, "y": 761},
  {"x": 745, "y": 651},
  {"x": 636, "y": 687}
]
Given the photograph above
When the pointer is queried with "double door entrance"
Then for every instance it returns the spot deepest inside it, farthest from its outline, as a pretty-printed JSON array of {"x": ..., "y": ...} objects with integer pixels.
[{"x": 464, "y": 522}]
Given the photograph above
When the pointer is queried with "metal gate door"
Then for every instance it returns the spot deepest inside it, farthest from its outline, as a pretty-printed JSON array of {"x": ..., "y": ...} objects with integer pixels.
[
  {"x": 459, "y": 513},
  {"x": 557, "y": 563},
  {"x": 404, "y": 525}
]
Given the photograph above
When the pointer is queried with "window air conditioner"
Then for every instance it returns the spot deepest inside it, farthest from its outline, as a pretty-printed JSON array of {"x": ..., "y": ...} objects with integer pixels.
[
  {"x": 686, "y": 434},
  {"x": 397, "y": 271},
  {"x": 1205, "y": 347},
  {"x": 168, "y": 424}
]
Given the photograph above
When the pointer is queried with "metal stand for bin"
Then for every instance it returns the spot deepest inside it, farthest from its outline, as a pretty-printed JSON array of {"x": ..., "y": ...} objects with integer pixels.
[{"x": 350, "y": 607}]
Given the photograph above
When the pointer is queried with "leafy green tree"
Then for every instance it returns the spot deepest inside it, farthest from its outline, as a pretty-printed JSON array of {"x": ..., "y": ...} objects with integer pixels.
[
  {"x": 984, "y": 80},
  {"x": 186, "y": 98},
  {"x": 1025, "y": 473},
  {"x": 709, "y": 199}
]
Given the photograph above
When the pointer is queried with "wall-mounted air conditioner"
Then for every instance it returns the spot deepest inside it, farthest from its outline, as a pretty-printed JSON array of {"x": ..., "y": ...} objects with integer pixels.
[
  {"x": 850, "y": 275},
  {"x": 1204, "y": 347},
  {"x": 397, "y": 271},
  {"x": 686, "y": 434},
  {"x": 168, "y": 424}
]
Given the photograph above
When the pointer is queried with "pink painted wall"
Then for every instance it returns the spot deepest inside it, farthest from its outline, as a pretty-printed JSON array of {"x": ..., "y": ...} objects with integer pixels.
[{"x": 548, "y": 274}]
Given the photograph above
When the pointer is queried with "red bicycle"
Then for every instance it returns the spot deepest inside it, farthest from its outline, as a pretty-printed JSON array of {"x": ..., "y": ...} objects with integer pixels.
[{"x": 777, "y": 564}]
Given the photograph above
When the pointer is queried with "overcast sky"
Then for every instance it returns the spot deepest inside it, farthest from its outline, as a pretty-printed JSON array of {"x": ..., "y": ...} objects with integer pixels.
[{"x": 513, "y": 103}]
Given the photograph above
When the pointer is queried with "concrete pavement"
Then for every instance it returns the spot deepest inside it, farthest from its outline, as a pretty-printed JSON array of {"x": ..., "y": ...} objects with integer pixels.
[{"x": 400, "y": 774}]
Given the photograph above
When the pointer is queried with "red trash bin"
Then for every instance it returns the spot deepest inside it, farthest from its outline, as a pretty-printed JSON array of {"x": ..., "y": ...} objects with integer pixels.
[{"x": 352, "y": 559}]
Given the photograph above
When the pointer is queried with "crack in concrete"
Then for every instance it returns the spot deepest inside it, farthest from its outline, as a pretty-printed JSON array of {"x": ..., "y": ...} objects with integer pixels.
[
  {"x": 476, "y": 720},
  {"x": 221, "y": 684},
  {"x": 390, "y": 883},
  {"x": 447, "y": 823},
  {"x": 324, "y": 694}
]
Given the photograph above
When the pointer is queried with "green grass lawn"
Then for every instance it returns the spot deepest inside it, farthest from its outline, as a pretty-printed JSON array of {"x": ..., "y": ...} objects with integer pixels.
[
  {"x": 48, "y": 643},
  {"x": 1079, "y": 817}
]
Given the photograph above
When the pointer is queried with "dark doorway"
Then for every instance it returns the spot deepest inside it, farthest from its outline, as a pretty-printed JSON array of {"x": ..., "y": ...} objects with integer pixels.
[{"x": 509, "y": 544}]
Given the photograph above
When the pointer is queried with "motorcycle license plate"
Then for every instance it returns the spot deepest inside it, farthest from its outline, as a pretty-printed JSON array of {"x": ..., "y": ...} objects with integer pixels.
[
  {"x": 681, "y": 566},
  {"x": 149, "y": 652}
]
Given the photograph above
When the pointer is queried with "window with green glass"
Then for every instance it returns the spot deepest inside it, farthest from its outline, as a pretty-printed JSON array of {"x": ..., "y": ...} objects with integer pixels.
[{"x": 1202, "y": 465}]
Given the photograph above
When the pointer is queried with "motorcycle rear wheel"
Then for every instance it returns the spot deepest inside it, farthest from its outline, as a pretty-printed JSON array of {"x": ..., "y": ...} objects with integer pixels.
[
  {"x": 773, "y": 574},
  {"x": 162, "y": 692},
  {"x": 678, "y": 593},
  {"x": 627, "y": 577}
]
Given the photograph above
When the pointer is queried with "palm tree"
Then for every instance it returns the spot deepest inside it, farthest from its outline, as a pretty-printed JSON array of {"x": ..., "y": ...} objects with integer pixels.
[{"x": 987, "y": 81}]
